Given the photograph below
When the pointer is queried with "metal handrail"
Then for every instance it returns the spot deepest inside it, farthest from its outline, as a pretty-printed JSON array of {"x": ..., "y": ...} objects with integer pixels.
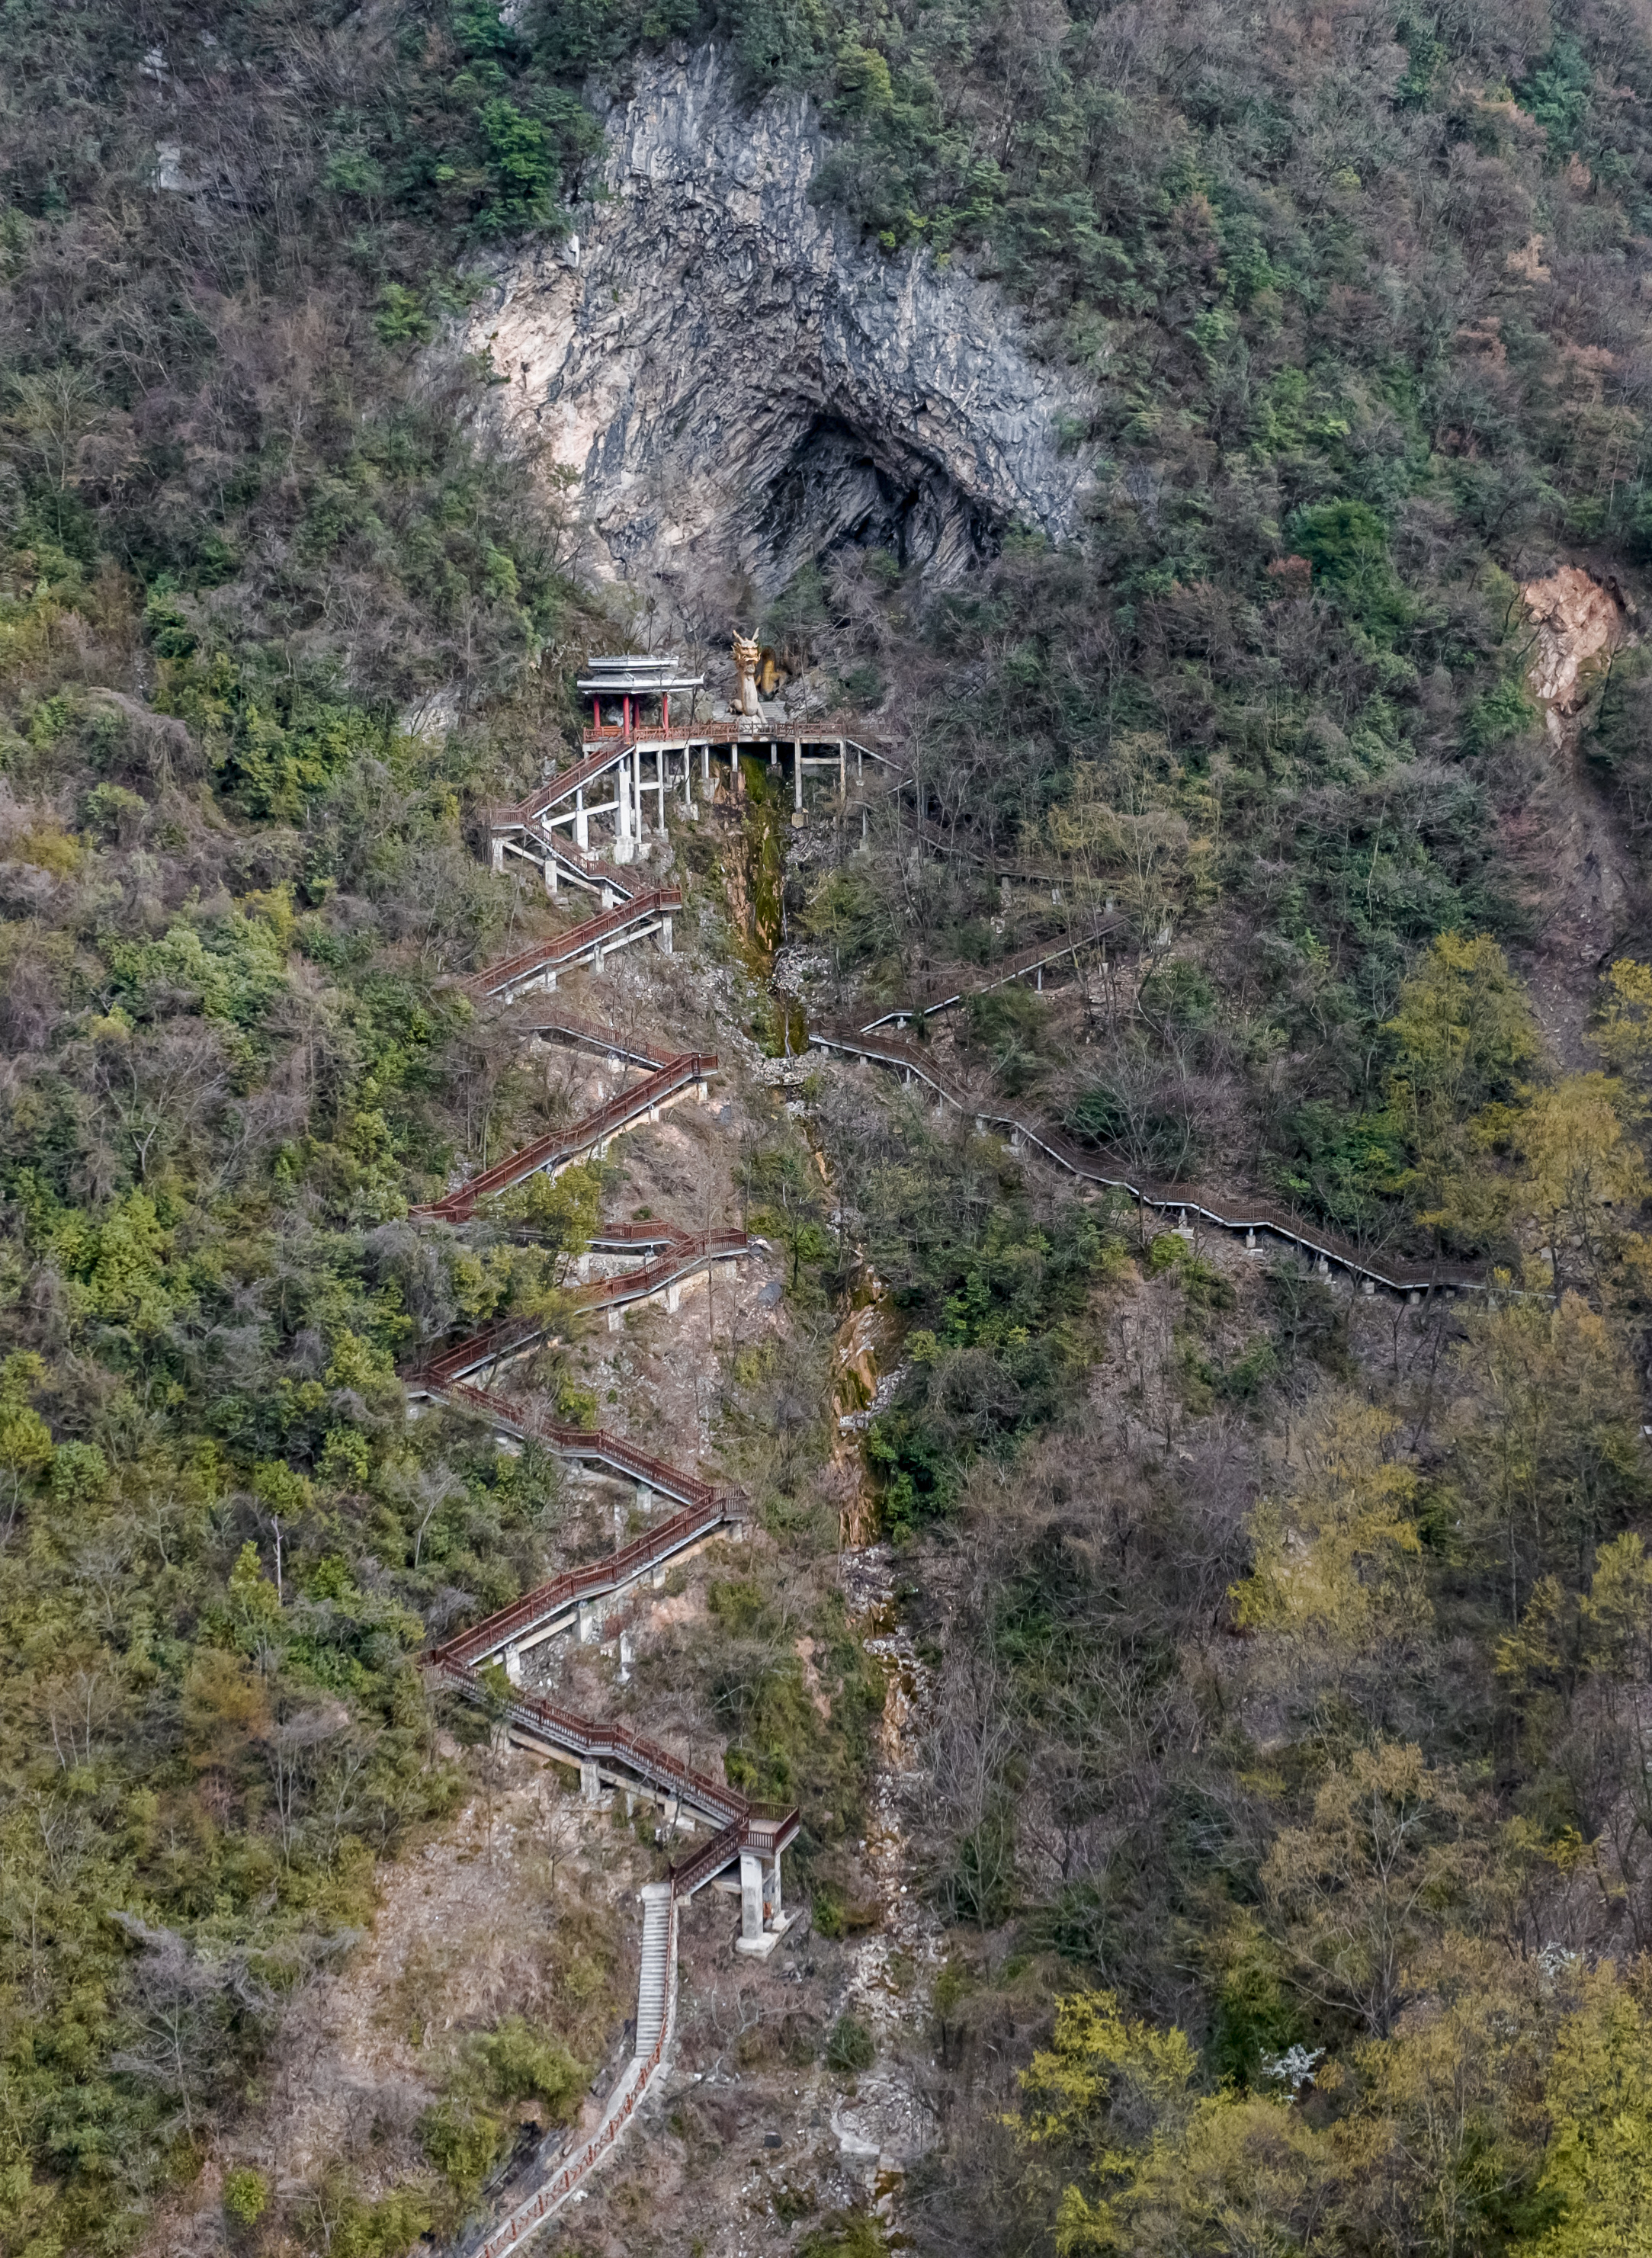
[
  {"x": 685, "y": 1252},
  {"x": 457, "y": 1206},
  {"x": 1099, "y": 1167},
  {"x": 583, "y": 1442},
  {"x": 632, "y": 1049},
  {"x": 561, "y": 1592},
  {"x": 560, "y": 947},
  {"x": 529, "y": 2215}
]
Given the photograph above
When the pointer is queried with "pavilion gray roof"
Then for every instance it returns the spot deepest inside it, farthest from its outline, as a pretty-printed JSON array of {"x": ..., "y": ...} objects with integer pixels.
[{"x": 637, "y": 673}]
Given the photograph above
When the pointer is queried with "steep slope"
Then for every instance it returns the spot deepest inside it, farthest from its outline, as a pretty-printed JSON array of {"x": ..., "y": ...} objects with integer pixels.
[{"x": 741, "y": 383}]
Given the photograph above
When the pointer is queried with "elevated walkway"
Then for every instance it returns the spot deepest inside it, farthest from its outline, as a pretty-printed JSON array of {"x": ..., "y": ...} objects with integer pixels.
[
  {"x": 683, "y": 1256},
  {"x": 637, "y": 918},
  {"x": 687, "y": 1075},
  {"x": 573, "y": 1600},
  {"x": 1238, "y": 1214},
  {"x": 627, "y": 1049},
  {"x": 1034, "y": 962},
  {"x": 590, "y": 1446}
]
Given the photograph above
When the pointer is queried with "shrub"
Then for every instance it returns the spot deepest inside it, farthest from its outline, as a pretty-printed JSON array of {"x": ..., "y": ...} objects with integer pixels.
[{"x": 851, "y": 2048}]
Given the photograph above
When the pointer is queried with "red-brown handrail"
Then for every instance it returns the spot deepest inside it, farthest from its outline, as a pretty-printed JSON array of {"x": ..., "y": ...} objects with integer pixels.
[
  {"x": 546, "y": 795},
  {"x": 546, "y": 1152},
  {"x": 553, "y": 1598},
  {"x": 582, "y": 1442},
  {"x": 562, "y": 947}
]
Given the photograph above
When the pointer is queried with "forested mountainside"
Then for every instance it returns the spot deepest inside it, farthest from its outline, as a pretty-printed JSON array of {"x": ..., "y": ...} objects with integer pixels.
[{"x": 1276, "y": 1868}]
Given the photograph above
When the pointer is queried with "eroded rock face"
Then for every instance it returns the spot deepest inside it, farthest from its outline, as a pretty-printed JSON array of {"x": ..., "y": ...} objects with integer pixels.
[
  {"x": 1578, "y": 621},
  {"x": 739, "y": 384}
]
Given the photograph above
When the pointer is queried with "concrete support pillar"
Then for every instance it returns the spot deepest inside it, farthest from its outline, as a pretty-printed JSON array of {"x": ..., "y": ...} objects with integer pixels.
[
  {"x": 550, "y": 874},
  {"x": 499, "y": 855},
  {"x": 1367, "y": 1285},
  {"x": 774, "y": 753},
  {"x": 627, "y": 1655},
  {"x": 673, "y": 1299},
  {"x": 771, "y": 1895},
  {"x": 616, "y": 1321},
  {"x": 751, "y": 1896},
  {"x": 705, "y": 761},
  {"x": 590, "y": 1782},
  {"x": 863, "y": 822},
  {"x": 622, "y": 811},
  {"x": 590, "y": 1619},
  {"x": 1322, "y": 1268},
  {"x": 797, "y": 774},
  {"x": 1249, "y": 1242},
  {"x": 514, "y": 1665},
  {"x": 1038, "y": 978},
  {"x": 843, "y": 772},
  {"x": 645, "y": 1498},
  {"x": 665, "y": 934},
  {"x": 582, "y": 824}
]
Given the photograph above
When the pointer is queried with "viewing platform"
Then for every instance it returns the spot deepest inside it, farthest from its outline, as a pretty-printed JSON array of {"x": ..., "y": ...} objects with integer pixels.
[{"x": 640, "y": 764}]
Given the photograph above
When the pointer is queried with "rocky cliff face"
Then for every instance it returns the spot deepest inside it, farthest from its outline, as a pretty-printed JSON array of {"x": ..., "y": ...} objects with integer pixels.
[{"x": 741, "y": 386}]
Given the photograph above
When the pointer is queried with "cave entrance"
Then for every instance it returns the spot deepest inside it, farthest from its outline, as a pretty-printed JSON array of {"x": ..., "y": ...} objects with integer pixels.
[{"x": 841, "y": 486}]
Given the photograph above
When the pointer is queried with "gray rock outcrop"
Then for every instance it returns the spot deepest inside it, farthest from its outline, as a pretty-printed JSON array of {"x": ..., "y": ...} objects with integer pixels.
[{"x": 741, "y": 384}]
